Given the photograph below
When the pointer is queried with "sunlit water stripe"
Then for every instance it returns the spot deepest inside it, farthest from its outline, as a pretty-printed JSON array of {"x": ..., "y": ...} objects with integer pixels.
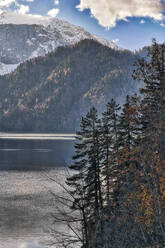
[
  {"x": 31, "y": 136},
  {"x": 32, "y": 150}
]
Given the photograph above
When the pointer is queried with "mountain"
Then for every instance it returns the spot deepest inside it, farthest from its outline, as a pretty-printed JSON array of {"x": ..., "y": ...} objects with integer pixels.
[
  {"x": 23, "y": 37},
  {"x": 51, "y": 93}
]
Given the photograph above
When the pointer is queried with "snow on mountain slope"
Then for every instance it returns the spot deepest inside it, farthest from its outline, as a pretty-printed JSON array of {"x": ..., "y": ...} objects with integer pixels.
[
  {"x": 23, "y": 37},
  {"x": 5, "y": 69}
]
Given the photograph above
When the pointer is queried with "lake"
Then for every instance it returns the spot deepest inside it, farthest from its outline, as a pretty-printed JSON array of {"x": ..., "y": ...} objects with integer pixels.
[{"x": 27, "y": 161}]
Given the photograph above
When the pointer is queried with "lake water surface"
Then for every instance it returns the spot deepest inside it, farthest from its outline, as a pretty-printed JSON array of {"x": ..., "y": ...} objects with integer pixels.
[{"x": 26, "y": 163}]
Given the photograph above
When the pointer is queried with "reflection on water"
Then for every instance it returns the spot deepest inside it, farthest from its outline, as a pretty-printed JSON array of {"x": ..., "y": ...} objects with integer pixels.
[
  {"x": 25, "y": 202},
  {"x": 37, "y": 136},
  {"x": 33, "y": 152}
]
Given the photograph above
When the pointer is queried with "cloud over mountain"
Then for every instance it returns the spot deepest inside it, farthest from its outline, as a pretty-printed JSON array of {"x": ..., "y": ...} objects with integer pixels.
[
  {"x": 6, "y": 3},
  {"x": 53, "y": 12},
  {"x": 109, "y": 12}
]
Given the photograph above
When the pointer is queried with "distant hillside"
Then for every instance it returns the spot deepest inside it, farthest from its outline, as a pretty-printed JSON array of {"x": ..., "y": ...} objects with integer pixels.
[{"x": 51, "y": 93}]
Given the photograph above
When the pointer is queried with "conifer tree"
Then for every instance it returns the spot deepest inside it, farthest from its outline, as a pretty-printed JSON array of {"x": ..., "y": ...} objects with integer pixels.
[
  {"x": 152, "y": 73},
  {"x": 129, "y": 130},
  {"x": 109, "y": 147},
  {"x": 152, "y": 147},
  {"x": 86, "y": 182},
  {"x": 129, "y": 127}
]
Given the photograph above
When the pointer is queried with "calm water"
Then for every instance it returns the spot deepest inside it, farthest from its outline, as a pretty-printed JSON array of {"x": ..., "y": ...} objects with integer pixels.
[{"x": 26, "y": 163}]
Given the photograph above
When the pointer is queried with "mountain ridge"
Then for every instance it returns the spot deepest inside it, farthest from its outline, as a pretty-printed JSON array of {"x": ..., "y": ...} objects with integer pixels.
[
  {"x": 21, "y": 41},
  {"x": 52, "y": 92}
]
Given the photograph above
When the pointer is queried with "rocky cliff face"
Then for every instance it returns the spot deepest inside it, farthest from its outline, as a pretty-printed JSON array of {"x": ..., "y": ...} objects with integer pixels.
[
  {"x": 23, "y": 38},
  {"x": 19, "y": 42}
]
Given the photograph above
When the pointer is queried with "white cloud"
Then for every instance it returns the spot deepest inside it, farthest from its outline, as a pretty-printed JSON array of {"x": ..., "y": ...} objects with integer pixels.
[
  {"x": 162, "y": 25},
  {"x": 28, "y": 0},
  {"x": 36, "y": 16},
  {"x": 56, "y": 2},
  {"x": 115, "y": 40},
  {"x": 53, "y": 12},
  {"x": 142, "y": 21},
  {"x": 22, "y": 9},
  {"x": 108, "y": 12},
  {"x": 6, "y": 3},
  {"x": 19, "y": 8}
]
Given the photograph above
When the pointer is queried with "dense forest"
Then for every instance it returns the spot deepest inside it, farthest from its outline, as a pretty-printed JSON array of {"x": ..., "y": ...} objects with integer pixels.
[
  {"x": 115, "y": 195},
  {"x": 51, "y": 93}
]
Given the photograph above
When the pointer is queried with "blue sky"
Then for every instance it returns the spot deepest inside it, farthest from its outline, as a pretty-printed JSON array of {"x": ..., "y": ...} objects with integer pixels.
[{"x": 130, "y": 23}]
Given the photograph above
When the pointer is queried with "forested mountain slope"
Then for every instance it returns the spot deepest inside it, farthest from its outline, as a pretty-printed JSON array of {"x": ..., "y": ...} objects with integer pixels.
[{"x": 51, "y": 93}]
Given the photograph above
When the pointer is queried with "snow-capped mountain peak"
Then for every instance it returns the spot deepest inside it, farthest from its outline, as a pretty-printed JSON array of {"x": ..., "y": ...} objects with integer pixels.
[{"x": 26, "y": 36}]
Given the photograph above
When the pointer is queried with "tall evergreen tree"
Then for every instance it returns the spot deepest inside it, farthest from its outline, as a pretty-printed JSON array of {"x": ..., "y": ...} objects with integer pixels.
[
  {"x": 152, "y": 147},
  {"x": 129, "y": 127},
  {"x": 152, "y": 73},
  {"x": 86, "y": 182},
  {"x": 129, "y": 130},
  {"x": 109, "y": 147}
]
